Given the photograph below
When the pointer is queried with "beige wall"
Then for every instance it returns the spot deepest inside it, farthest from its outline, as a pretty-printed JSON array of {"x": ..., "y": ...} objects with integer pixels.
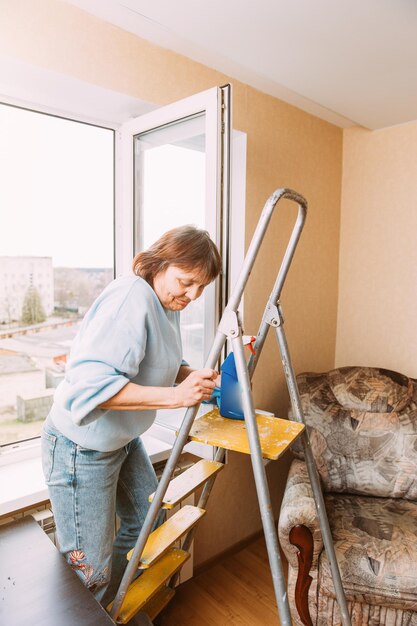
[
  {"x": 286, "y": 147},
  {"x": 377, "y": 317}
]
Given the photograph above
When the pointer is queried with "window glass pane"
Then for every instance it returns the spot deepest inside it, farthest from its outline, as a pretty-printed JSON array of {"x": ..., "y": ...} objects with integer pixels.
[
  {"x": 56, "y": 253},
  {"x": 170, "y": 190}
]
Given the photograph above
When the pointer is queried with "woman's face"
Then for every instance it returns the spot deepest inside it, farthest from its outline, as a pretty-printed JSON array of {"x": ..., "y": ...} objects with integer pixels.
[{"x": 176, "y": 287}]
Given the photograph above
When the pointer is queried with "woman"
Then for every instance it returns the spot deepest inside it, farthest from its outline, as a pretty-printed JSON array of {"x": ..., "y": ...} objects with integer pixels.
[{"x": 122, "y": 367}]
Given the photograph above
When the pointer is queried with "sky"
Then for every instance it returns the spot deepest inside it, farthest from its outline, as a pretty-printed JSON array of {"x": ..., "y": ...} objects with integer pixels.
[
  {"x": 56, "y": 189},
  {"x": 173, "y": 190}
]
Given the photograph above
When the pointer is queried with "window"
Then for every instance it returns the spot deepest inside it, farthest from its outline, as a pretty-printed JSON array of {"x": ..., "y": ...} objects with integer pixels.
[
  {"x": 56, "y": 253},
  {"x": 175, "y": 171},
  {"x": 63, "y": 241},
  {"x": 170, "y": 182}
]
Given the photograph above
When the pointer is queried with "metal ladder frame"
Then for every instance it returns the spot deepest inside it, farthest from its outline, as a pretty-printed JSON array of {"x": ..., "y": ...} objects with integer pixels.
[{"x": 230, "y": 328}]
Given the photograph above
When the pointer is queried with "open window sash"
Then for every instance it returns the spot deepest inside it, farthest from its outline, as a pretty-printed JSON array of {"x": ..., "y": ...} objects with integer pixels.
[{"x": 172, "y": 168}]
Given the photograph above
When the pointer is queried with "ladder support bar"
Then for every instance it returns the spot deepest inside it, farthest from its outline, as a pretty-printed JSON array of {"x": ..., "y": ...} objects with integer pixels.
[
  {"x": 313, "y": 475},
  {"x": 264, "y": 498},
  {"x": 257, "y": 239}
]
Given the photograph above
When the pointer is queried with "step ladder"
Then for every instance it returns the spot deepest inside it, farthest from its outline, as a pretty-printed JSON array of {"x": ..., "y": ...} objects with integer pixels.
[{"x": 263, "y": 437}]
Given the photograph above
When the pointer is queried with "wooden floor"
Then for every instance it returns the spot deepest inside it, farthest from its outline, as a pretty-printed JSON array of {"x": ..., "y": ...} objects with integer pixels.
[{"x": 237, "y": 591}]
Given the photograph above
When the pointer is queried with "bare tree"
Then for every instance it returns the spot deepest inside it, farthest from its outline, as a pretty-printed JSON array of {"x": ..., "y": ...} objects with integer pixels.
[{"x": 32, "y": 308}]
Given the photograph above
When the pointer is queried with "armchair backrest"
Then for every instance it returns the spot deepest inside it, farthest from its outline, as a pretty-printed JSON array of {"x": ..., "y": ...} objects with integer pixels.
[{"x": 362, "y": 424}]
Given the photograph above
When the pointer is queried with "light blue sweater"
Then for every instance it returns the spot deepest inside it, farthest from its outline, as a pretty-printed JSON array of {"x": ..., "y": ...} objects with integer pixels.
[{"x": 127, "y": 335}]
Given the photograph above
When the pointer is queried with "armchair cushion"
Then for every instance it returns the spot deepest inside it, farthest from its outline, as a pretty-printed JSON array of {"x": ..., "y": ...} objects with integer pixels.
[
  {"x": 376, "y": 547},
  {"x": 362, "y": 425},
  {"x": 370, "y": 389}
]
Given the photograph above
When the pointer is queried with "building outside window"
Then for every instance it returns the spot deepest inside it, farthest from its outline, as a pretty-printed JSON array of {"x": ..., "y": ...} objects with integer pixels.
[{"x": 37, "y": 276}]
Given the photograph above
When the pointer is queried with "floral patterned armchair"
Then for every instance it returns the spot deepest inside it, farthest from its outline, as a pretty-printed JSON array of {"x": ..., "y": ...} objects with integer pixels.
[{"x": 362, "y": 424}]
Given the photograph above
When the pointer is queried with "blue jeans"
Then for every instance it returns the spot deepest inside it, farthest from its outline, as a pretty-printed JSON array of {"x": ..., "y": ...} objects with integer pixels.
[{"x": 87, "y": 488}]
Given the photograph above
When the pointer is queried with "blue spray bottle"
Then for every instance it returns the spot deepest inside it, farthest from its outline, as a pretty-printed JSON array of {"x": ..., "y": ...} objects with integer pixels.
[{"x": 230, "y": 393}]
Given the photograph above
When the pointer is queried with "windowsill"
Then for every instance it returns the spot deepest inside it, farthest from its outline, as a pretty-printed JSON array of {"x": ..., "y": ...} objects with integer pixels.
[
  {"x": 23, "y": 485},
  {"x": 21, "y": 477}
]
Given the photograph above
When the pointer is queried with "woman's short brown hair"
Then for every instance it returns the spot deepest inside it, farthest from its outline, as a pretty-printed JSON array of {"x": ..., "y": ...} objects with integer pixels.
[{"x": 186, "y": 247}]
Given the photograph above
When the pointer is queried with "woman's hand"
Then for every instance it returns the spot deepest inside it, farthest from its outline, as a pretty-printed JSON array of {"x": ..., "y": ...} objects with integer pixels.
[
  {"x": 198, "y": 386},
  {"x": 193, "y": 387}
]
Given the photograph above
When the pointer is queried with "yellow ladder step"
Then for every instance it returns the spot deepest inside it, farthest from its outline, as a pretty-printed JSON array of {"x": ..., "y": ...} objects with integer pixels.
[
  {"x": 158, "y": 603},
  {"x": 168, "y": 533},
  {"x": 187, "y": 482},
  {"x": 275, "y": 434},
  {"x": 144, "y": 588}
]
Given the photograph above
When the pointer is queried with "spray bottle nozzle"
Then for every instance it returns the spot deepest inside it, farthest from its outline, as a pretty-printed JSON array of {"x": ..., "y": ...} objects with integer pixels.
[{"x": 249, "y": 340}]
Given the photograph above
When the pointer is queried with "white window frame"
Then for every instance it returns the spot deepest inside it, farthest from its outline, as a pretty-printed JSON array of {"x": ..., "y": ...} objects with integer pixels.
[
  {"x": 206, "y": 101},
  {"x": 215, "y": 103},
  {"x": 209, "y": 102},
  {"x": 20, "y": 451},
  {"x": 28, "y": 451}
]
